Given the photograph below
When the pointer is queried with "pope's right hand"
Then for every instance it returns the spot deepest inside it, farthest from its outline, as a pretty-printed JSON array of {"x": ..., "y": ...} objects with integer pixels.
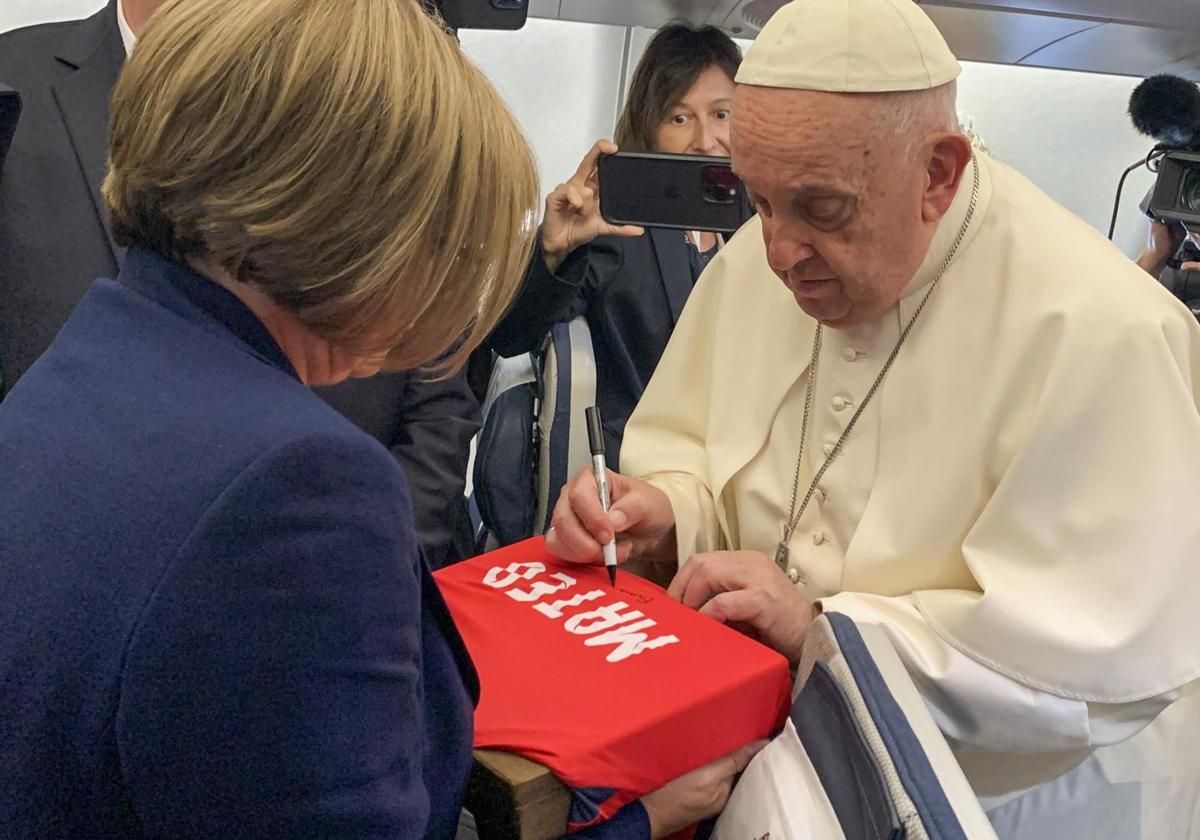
[
  {"x": 640, "y": 518},
  {"x": 572, "y": 215}
]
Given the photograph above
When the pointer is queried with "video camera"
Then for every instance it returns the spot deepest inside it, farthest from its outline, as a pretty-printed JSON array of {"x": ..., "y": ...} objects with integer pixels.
[
  {"x": 481, "y": 14},
  {"x": 1167, "y": 108}
]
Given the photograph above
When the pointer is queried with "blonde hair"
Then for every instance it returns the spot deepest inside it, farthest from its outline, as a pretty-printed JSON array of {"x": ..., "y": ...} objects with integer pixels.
[{"x": 343, "y": 157}]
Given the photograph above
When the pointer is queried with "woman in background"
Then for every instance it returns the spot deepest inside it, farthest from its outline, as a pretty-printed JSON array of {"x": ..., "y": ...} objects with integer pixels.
[
  {"x": 215, "y": 619},
  {"x": 630, "y": 287}
]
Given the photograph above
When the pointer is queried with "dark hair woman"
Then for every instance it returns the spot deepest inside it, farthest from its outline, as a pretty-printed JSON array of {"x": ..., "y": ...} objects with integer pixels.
[{"x": 629, "y": 284}]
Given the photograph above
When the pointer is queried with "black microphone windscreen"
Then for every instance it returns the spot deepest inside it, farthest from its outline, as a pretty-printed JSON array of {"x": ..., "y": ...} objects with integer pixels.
[{"x": 1167, "y": 108}]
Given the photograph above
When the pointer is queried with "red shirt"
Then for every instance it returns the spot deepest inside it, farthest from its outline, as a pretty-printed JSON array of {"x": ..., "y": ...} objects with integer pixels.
[{"x": 617, "y": 690}]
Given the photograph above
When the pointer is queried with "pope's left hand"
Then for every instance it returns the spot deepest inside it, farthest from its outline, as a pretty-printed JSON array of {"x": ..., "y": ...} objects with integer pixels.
[{"x": 747, "y": 589}]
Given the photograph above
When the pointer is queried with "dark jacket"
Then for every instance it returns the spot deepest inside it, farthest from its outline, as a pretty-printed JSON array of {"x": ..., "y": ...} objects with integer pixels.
[
  {"x": 55, "y": 240},
  {"x": 1185, "y": 285},
  {"x": 10, "y": 109},
  {"x": 631, "y": 292},
  {"x": 215, "y": 619},
  {"x": 427, "y": 425}
]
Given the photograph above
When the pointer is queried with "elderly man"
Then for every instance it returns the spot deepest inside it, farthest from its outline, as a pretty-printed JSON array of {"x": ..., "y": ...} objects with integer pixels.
[{"x": 918, "y": 392}]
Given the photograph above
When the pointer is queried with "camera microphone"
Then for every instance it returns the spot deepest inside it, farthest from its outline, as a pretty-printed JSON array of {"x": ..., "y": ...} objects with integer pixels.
[{"x": 1167, "y": 108}]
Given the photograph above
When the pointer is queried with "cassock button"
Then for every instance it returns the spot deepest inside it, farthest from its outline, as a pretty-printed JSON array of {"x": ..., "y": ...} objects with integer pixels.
[
  {"x": 849, "y": 354},
  {"x": 794, "y": 575},
  {"x": 828, "y": 449},
  {"x": 818, "y": 538},
  {"x": 820, "y": 494},
  {"x": 839, "y": 403}
]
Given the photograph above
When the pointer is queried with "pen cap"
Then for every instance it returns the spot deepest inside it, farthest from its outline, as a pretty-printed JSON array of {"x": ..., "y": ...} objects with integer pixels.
[{"x": 595, "y": 430}]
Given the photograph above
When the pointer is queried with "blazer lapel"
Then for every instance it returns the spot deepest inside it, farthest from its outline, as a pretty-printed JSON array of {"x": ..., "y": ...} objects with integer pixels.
[
  {"x": 96, "y": 53},
  {"x": 670, "y": 251},
  {"x": 10, "y": 109},
  {"x": 435, "y": 607}
]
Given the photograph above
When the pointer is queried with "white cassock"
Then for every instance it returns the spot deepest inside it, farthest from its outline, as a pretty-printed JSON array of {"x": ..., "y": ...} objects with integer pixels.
[{"x": 1016, "y": 507}]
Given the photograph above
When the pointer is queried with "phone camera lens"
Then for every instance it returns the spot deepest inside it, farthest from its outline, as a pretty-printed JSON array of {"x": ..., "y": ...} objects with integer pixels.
[{"x": 718, "y": 185}]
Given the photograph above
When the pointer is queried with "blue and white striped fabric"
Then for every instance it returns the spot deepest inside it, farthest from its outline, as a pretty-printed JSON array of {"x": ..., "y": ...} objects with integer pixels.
[
  {"x": 568, "y": 388},
  {"x": 859, "y": 757}
]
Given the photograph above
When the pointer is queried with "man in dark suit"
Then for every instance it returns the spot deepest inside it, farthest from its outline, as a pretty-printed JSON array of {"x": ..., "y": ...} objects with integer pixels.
[{"x": 55, "y": 240}]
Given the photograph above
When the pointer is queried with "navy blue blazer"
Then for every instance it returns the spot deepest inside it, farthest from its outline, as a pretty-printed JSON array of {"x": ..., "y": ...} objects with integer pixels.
[{"x": 215, "y": 619}]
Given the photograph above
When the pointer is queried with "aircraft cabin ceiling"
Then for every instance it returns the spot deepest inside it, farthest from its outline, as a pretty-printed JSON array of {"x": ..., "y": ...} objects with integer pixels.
[{"x": 1125, "y": 37}]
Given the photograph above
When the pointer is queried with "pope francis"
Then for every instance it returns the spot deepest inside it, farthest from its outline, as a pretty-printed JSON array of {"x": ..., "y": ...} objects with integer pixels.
[{"x": 916, "y": 391}]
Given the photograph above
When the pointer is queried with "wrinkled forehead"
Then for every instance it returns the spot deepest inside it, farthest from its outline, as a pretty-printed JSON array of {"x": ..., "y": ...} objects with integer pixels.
[{"x": 794, "y": 137}]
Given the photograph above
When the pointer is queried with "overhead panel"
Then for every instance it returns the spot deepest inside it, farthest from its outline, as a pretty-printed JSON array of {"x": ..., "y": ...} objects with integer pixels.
[
  {"x": 544, "y": 8},
  {"x": 727, "y": 15},
  {"x": 1122, "y": 49},
  {"x": 1000, "y": 37},
  {"x": 1166, "y": 14},
  {"x": 1126, "y": 37},
  {"x": 648, "y": 13}
]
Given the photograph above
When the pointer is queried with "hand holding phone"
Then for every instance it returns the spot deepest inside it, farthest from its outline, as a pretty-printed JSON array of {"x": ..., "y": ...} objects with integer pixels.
[{"x": 572, "y": 216}]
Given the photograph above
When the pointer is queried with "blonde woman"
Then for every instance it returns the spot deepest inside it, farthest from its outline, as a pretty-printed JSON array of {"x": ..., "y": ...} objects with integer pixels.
[{"x": 215, "y": 620}]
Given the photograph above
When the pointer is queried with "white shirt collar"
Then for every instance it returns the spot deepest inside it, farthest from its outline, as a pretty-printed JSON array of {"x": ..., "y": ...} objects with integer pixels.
[{"x": 127, "y": 36}]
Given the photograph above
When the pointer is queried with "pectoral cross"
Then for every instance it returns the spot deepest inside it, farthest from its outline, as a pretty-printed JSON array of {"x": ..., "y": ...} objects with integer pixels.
[{"x": 781, "y": 555}]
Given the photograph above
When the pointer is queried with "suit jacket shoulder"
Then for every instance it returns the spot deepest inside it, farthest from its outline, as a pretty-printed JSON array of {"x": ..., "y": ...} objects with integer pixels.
[
  {"x": 64, "y": 73},
  {"x": 39, "y": 39}
]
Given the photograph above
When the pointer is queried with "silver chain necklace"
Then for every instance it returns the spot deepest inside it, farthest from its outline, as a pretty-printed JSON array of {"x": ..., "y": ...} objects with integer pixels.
[{"x": 789, "y": 527}]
